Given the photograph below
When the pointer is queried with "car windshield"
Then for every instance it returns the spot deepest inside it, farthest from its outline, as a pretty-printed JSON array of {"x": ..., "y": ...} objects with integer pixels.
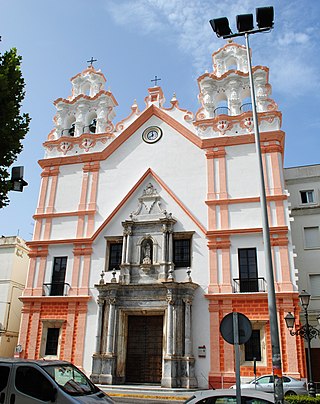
[{"x": 71, "y": 379}]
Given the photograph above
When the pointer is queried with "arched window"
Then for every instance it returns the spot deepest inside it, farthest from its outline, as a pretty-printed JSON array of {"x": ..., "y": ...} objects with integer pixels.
[
  {"x": 91, "y": 125},
  {"x": 222, "y": 108},
  {"x": 246, "y": 105},
  {"x": 86, "y": 88},
  {"x": 69, "y": 127},
  {"x": 231, "y": 64}
]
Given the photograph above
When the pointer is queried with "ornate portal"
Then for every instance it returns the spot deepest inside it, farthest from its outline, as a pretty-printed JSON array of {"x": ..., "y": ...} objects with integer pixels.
[{"x": 147, "y": 305}]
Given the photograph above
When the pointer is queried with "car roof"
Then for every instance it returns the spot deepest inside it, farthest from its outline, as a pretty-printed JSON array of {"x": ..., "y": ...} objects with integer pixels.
[
  {"x": 39, "y": 362},
  {"x": 232, "y": 392}
]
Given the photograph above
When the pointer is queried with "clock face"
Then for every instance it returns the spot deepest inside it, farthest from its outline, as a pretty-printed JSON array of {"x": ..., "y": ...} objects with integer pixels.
[{"x": 152, "y": 134}]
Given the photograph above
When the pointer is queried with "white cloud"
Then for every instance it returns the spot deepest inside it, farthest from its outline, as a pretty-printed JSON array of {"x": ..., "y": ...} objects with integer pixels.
[
  {"x": 288, "y": 50},
  {"x": 290, "y": 38}
]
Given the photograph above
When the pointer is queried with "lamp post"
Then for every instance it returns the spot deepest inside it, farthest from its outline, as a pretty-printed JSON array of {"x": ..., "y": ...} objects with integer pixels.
[
  {"x": 245, "y": 26},
  {"x": 308, "y": 332}
]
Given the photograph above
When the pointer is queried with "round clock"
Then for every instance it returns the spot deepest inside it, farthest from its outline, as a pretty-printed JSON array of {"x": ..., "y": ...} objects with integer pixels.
[{"x": 152, "y": 134}]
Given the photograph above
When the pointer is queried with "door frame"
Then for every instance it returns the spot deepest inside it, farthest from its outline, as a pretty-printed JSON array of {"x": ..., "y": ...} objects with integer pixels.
[{"x": 123, "y": 336}]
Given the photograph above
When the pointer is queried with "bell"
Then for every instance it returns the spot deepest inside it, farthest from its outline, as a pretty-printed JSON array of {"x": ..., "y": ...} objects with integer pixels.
[
  {"x": 71, "y": 130},
  {"x": 93, "y": 126}
]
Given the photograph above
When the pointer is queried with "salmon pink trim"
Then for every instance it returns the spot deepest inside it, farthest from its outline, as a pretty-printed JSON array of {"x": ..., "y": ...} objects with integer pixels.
[
  {"x": 71, "y": 316},
  {"x": 81, "y": 326}
]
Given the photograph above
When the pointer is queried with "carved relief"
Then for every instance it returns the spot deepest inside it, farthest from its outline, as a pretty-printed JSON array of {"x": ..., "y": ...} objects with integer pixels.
[
  {"x": 64, "y": 147},
  {"x": 247, "y": 123}
]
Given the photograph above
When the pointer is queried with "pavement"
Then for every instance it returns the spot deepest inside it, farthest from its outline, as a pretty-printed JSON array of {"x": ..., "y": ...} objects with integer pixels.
[{"x": 146, "y": 392}]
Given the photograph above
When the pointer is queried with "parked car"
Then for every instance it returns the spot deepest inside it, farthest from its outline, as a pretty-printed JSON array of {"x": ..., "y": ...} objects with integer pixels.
[
  {"x": 228, "y": 396},
  {"x": 291, "y": 386},
  {"x": 25, "y": 381}
]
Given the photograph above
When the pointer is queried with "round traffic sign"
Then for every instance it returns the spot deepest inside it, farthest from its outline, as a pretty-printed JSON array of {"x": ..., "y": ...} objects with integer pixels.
[{"x": 244, "y": 328}]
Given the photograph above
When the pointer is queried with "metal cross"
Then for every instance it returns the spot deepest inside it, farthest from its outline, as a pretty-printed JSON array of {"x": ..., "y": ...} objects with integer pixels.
[
  {"x": 155, "y": 80},
  {"x": 91, "y": 61}
]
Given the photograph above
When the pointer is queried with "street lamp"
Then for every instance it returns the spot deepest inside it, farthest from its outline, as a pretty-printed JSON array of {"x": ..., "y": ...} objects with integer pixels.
[
  {"x": 245, "y": 26},
  {"x": 308, "y": 332}
]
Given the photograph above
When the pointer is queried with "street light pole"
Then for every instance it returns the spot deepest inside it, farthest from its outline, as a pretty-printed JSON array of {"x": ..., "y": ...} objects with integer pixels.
[
  {"x": 272, "y": 306},
  {"x": 245, "y": 28},
  {"x": 308, "y": 332},
  {"x": 311, "y": 387}
]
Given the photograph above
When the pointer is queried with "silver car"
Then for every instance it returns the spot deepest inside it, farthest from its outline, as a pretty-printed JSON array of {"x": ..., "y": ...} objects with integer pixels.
[
  {"x": 291, "y": 386},
  {"x": 227, "y": 396}
]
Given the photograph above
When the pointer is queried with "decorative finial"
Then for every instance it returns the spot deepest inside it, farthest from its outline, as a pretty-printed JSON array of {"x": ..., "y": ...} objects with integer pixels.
[
  {"x": 102, "y": 279},
  {"x": 170, "y": 274},
  {"x": 91, "y": 61},
  {"x": 174, "y": 97},
  {"x": 134, "y": 106},
  {"x": 189, "y": 274},
  {"x": 156, "y": 79},
  {"x": 113, "y": 279}
]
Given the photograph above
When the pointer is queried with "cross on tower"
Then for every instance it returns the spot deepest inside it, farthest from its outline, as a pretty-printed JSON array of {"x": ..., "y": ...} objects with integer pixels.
[
  {"x": 156, "y": 79},
  {"x": 91, "y": 61}
]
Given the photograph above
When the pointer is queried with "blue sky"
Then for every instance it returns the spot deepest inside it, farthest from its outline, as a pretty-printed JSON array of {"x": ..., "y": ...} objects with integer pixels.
[{"x": 134, "y": 40}]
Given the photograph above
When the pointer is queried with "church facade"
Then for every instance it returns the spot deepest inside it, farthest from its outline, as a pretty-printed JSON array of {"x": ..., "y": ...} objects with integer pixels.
[{"x": 148, "y": 232}]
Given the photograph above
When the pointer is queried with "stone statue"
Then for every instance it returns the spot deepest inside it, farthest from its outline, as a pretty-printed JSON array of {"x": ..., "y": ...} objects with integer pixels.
[{"x": 146, "y": 253}]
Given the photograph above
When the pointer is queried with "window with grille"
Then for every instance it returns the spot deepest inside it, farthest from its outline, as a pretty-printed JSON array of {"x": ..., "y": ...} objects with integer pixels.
[
  {"x": 248, "y": 271},
  {"x": 115, "y": 256},
  {"x": 52, "y": 341},
  {"x": 58, "y": 276},
  {"x": 181, "y": 252},
  {"x": 253, "y": 347}
]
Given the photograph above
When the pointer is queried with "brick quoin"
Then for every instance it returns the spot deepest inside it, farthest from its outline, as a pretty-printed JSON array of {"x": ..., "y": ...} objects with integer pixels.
[{"x": 55, "y": 311}]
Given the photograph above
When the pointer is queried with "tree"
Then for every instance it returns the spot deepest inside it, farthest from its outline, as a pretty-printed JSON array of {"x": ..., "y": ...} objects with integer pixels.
[{"x": 13, "y": 124}]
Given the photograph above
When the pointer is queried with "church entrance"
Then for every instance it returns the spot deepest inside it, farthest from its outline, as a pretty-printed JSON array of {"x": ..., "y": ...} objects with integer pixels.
[{"x": 144, "y": 349}]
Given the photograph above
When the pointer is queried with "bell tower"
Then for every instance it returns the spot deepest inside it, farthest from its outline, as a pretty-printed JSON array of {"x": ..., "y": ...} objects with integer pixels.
[{"x": 83, "y": 121}]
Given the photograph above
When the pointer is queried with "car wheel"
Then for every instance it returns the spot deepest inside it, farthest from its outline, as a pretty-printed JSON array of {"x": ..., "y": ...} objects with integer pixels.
[{"x": 290, "y": 393}]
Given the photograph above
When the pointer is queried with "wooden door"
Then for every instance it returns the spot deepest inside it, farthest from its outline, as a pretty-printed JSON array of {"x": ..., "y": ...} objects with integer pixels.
[{"x": 144, "y": 349}]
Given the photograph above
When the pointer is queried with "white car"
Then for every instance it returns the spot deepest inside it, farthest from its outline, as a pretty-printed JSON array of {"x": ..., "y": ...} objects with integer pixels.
[
  {"x": 227, "y": 396},
  {"x": 291, "y": 386}
]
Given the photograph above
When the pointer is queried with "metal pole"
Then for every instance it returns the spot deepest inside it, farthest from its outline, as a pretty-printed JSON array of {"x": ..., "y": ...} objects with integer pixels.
[
  {"x": 311, "y": 387},
  {"x": 237, "y": 355},
  {"x": 273, "y": 319}
]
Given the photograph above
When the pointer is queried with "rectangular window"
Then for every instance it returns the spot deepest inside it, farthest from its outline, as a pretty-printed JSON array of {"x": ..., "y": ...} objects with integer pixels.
[
  {"x": 248, "y": 271},
  {"x": 115, "y": 256},
  {"x": 314, "y": 284},
  {"x": 181, "y": 252},
  {"x": 307, "y": 196},
  {"x": 58, "y": 276},
  {"x": 52, "y": 341},
  {"x": 253, "y": 347},
  {"x": 312, "y": 237}
]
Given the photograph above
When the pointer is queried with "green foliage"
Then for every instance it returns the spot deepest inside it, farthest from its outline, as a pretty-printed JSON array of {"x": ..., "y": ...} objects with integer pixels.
[
  {"x": 302, "y": 400},
  {"x": 13, "y": 124}
]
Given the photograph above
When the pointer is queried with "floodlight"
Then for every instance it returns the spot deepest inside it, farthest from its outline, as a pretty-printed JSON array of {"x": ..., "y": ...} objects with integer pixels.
[
  {"x": 264, "y": 17},
  {"x": 244, "y": 22},
  {"x": 221, "y": 26}
]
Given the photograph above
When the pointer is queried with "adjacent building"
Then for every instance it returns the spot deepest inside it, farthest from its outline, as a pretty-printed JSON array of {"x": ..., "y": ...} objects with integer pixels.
[
  {"x": 148, "y": 232},
  {"x": 303, "y": 184},
  {"x": 14, "y": 262}
]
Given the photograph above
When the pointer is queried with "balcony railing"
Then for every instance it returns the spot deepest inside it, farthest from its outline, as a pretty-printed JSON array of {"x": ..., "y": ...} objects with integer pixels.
[
  {"x": 246, "y": 107},
  {"x": 249, "y": 285},
  {"x": 56, "y": 289},
  {"x": 221, "y": 111}
]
